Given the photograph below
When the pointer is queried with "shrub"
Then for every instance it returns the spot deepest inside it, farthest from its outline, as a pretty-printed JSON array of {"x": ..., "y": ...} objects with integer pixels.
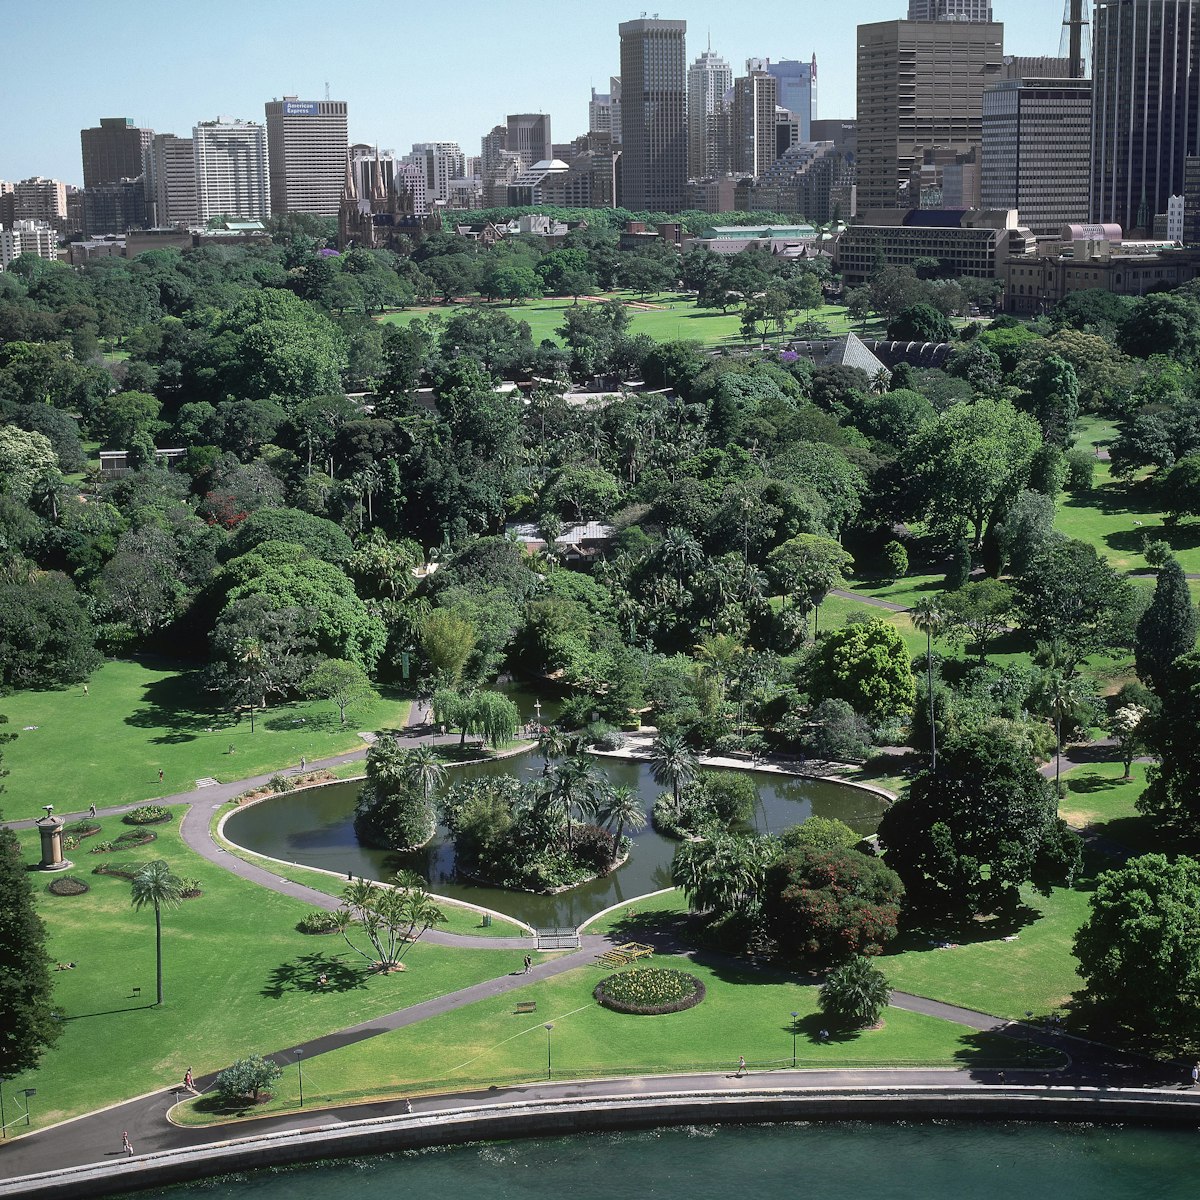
[
  {"x": 593, "y": 847},
  {"x": 190, "y": 888},
  {"x": 1081, "y": 470},
  {"x": 281, "y": 783},
  {"x": 855, "y": 995},
  {"x": 610, "y": 739},
  {"x": 70, "y": 843},
  {"x": 120, "y": 870},
  {"x": 895, "y": 558},
  {"x": 247, "y": 1079},
  {"x": 649, "y": 991},
  {"x": 67, "y": 885},
  {"x": 317, "y": 921},
  {"x": 148, "y": 814},
  {"x": 1158, "y": 553},
  {"x": 101, "y": 848}
]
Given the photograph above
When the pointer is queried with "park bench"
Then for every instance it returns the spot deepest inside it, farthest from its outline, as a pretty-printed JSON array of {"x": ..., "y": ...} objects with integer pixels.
[{"x": 526, "y": 1006}]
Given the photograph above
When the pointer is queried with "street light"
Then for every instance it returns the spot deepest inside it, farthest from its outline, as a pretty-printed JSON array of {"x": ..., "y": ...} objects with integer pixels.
[
  {"x": 3, "y": 1124},
  {"x": 27, "y": 1092},
  {"x": 300, "y": 1069},
  {"x": 794, "y": 1030},
  {"x": 549, "y": 1029},
  {"x": 1028, "y": 1038}
]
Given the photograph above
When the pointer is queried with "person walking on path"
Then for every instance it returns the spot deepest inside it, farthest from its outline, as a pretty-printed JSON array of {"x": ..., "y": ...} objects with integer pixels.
[
  {"x": 91, "y": 810},
  {"x": 303, "y": 763},
  {"x": 741, "y": 1066},
  {"x": 126, "y": 1144},
  {"x": 187, "y": 1080},
  {"x": 1195, "y": 1074},
  {"x": 160, "y": 774},
  {"x": 528, "y": 963}
]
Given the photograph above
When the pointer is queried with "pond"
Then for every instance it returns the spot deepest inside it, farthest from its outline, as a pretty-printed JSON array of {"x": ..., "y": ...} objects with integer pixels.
[{"x": 316, "y": 827}]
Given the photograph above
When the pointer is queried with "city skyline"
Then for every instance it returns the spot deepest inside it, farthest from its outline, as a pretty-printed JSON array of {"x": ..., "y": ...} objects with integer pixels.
[{"x": 169, "y": 82}]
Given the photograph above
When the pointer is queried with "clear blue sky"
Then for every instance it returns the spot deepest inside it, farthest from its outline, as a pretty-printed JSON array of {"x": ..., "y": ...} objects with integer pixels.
[{"x": 410, "y": 70}]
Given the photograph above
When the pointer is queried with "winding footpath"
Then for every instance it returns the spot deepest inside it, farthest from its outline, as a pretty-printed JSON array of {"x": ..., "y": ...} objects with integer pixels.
[{"x": 95, "y": 1137}]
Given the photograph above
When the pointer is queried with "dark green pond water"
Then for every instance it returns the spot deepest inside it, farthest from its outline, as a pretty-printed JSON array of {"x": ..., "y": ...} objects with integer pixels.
[
  {"x": 783, "y": 1162},
  {"x": 315, "y": 827}
]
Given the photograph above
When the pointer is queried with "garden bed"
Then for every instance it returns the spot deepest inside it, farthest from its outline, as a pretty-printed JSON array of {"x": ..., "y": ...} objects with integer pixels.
[
  {"x": 649, "y": 991},
  {"x": 67, "y": 885},
  {"x": 148, "y": 814}
]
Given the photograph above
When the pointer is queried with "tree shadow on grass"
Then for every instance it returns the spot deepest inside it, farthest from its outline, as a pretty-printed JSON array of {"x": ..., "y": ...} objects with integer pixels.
[
  {"x": 287, "y": 720},
  {"x": 946, "y": 936},
  {"x": 988, "y": 1056},
  {"x": 177, "y": 706},
  {"x": 655, "y": 928},
  {"x": 304, "y": 975},
  {"x": 1088, "y": 784}
]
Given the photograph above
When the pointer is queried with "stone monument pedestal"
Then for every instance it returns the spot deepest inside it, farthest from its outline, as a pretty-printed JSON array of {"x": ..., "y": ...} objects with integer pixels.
[{"x": 50, "y": 828}]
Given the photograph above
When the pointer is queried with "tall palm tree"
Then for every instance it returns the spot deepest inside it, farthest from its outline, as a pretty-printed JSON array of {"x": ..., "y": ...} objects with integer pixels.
[
  {"x": 572, "y": 785},
  {"x": 1064, "y": 693},
  {"x": 551, "y": 743},
  {"x": 929, "y": 619},
  {"x": 156, "y": 885},
  {"x": 680, "y": 552},
  {"x": 719, "y": 652},
  {"x": 672, "y": 762},
  {"x": 423, "y": 769},
  {"x": 623, "y": 808}
]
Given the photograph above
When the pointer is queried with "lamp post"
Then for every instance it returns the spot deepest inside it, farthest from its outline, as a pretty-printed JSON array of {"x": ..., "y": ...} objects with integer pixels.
[
  {"x": 537, "y": 712},
  {"x": 27, "y": 1092},
  {"x": 1028, "y": 1038},
  {"x": 549, "y": 1068},
  {"x": 300, "y": 1070},
  {"x": 3, "y": 1123},
  {"x": 794, "y": 1030}
]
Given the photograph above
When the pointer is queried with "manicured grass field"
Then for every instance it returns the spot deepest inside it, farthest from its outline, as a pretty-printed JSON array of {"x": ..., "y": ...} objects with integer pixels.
[
  {"x": 239, "y": 979},
  {"x": 665, "y": 317},
  {"x": 1098, "y": 797},
  {"x": 489, "y": 1043},
  {"x": 108, "y": 746}
]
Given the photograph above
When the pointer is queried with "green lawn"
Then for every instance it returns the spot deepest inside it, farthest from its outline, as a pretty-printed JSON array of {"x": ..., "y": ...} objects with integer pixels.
[
  {"x": 490, "y": 1043},
  {"x": 109, "y": 745},
  {"x": 239, "y": 980},
  {"x": 664, "y": 317},
  {"x": 1098, "y": 797}
]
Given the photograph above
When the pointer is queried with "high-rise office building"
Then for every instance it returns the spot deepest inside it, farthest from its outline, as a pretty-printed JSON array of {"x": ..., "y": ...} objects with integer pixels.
[
  {"x": 708, "y": 79},
  {"x": 604, "y": 111},
  {"x": 115, "y": 208},
  {"x": 1036, "y": 151},
  {"x": 920, "y": 88},
  {"x": 528, "y": 136},
  {"x": 797, "y": 87},
  {"x": 441, "y": 162},
  {"x": 231, "y": 169},
  {"x": 306, "y": 146},
  {"x": 174, "y": 171},
  {"x": 1146, "y": 106},
  {"x": 950, "y": 10},
  {"x": 116, "y": 149},
  {"x": 654, "y": 133},
  {"x": 754, "y": 124}
]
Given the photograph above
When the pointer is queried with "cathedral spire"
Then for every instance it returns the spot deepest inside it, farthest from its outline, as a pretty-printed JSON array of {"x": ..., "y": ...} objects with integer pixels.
[
  {"x": 349, "y": 189},
  {"x": 378, "y": 191}
]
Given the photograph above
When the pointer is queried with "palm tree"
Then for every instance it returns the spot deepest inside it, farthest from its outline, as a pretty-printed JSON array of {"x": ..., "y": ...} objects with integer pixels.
[
  {"x": 719, "y": 652},
  {"x": 574, "y": 784},
  {"x": 929, "y": 619},
  {"x": 672, "y": 762},
  {"x": 855, "y": 994},
  {"x": 1063, "y": 693},
  {"x": 421, "y": 768},
  {"x": 156, "y": 884},
  {"x": 551, "y": 743},
  {"x": 680, "y": 552},
  {"x": 623, "y": 808}
]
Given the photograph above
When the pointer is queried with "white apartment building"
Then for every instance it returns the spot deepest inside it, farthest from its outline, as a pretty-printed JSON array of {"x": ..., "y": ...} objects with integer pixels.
[
  {"x": 39, "y": 199},
  {"x": 28, "y": 237},
  {"x": 231, "y": 169},
  {"x": 306, "y": 144}
]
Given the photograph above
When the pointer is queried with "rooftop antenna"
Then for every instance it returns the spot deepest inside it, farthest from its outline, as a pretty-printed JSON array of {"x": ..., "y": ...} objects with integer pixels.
[{"x": 327, "y": 89}]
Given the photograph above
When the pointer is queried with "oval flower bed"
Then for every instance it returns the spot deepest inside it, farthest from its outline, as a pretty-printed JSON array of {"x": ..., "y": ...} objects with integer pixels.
[
  {"x": 148, "y": 814},
  {"x": 127, "y": 841},
  {"x": 649, "y": 991},
  {"x": 67, "y": 885}
]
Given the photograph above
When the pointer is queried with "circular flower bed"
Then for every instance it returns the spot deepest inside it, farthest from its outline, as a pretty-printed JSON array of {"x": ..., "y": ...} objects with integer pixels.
[
  {"x": 649, "y": 991},
  {"x": 67, "y": 885},
  {"x": 82, "y": 828},
  {"x": 148, "y": 814}
]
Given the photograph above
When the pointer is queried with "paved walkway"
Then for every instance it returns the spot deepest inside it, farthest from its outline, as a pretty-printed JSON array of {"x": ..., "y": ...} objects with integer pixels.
[{"x": 869, "y": 601}]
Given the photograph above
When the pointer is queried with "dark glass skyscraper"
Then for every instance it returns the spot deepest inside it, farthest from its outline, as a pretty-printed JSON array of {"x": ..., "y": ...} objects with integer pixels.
[
  {"x": 1146, "y": 109},
  {"x": 654, "y": 131}
]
